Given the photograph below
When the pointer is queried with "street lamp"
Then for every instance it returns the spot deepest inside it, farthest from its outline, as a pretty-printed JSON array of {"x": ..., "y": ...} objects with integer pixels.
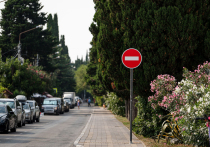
[{"x": 19, "y": 45}]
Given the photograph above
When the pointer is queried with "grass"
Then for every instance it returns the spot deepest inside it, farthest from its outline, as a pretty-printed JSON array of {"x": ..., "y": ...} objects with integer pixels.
[{"x": 147, "y": 141}]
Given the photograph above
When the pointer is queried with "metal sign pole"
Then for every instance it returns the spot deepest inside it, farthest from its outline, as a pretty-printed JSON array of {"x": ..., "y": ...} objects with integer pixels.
[{"x": 131, "y": 102}]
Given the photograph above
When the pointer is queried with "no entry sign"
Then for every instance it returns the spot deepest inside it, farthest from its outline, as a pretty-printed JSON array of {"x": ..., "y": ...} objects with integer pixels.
[{"x": 131, "y": 58}]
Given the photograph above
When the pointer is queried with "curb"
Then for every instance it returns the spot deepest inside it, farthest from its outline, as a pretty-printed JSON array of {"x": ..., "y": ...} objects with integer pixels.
[
  {"x": 132, "y": 133},
  {"x": 83, "y": 132}
]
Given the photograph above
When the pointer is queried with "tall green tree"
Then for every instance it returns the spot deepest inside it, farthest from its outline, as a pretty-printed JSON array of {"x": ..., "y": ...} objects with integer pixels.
[
  {"x": 169, "y": 35},
  {"x": 19, "y": 16}
]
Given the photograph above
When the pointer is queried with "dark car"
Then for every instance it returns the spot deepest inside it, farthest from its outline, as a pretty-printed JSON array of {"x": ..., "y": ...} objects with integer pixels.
[
  {"x": 66, "y": 106},
  {"x": 8, "y": 119},
  {"x": 16, "y": 108},
  {"x": 70, "y": 101}
]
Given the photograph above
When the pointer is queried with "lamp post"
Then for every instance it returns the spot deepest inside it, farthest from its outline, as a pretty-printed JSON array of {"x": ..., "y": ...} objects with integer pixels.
[{"x": 19, "y": 45}]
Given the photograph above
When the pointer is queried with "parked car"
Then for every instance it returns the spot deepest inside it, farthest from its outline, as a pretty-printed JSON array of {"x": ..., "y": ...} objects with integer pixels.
[
  {"x": 29, "y": 112},
  {"x": 35, "y": 108},
  {"x": 22, "y": 100},
  {"x": 61, "y": 104},
  {"x": 16, "y": 108},
  {"x": 69, "y": 102},
  {"x": 51, "y": 106},
  {"x": 23, "y": 114},
  {"x": 66, "y": 106},
  {"x": 8, "y": 119}
]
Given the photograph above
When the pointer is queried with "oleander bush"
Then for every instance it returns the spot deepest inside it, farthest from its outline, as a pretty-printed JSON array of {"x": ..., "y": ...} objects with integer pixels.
[
  {"x": 186, "y": 100},
  {"x": 115, "y": 104}
]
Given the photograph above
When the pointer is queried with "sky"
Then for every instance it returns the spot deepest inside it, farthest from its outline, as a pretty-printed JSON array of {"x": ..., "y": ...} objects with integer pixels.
[{"x": 74, "y": 19}]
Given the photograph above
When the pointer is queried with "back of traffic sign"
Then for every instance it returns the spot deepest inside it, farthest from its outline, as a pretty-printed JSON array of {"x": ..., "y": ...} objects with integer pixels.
[{"x": 131, "y": 58}]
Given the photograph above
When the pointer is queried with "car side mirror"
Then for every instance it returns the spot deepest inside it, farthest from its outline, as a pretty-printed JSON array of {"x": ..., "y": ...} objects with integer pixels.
[
  {"x": 37, "y": 106},
  {"x": 11, "y": 112}
]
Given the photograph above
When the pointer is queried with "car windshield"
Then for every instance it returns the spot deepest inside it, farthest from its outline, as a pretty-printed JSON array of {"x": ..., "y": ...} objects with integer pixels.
[
  {"x": 31, "y": 104},
  {"x": 50, "y": 102},
  {"x": 26, "y": 106},
  {"x": 2, "y": 109},
  {"x": 9, "y": 103},
  {"x": 67, "y": 100}
]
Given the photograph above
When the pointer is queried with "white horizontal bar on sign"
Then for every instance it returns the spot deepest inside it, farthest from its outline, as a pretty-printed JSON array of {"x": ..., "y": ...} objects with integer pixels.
[{"x": 131, "y": 58}]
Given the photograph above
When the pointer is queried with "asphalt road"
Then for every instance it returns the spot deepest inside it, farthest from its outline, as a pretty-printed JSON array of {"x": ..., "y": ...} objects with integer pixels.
[{"x": 51, "y": 131}]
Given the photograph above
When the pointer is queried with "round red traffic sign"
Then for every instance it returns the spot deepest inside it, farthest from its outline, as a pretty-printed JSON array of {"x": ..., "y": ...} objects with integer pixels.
[{"x": 131, "y": 58}]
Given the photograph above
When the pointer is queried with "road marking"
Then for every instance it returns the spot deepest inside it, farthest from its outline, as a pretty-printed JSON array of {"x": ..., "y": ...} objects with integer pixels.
[{"x": 131, "y": 58}]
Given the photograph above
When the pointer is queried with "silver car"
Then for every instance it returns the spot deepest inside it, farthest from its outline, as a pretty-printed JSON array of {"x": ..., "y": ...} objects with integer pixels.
[
  {"x": 16, "y": 108},
  {"x": 51, "y": 106},
  {"x": 35, "y": 108},
  {"x": 28, "y": 112}
]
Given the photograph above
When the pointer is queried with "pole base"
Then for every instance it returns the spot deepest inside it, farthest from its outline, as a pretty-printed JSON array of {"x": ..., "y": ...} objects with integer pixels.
[{"x": 131, "y": 142}]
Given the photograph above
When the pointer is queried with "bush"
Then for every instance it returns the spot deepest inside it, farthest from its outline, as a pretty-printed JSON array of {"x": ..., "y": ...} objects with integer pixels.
[
  {"x": 186, "y": 102},
  {"x": 147, "y": 123},
  {"x": 115, "y": 104},
  {"x": 99, "y": 100}
]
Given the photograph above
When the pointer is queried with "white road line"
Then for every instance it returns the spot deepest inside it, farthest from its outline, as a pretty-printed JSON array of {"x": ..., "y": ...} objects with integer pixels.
[{"x": 131, "y": 58}]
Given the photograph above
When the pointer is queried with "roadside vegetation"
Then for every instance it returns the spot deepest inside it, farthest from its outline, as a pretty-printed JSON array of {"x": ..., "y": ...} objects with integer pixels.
[{"x": 173, "y": 78}]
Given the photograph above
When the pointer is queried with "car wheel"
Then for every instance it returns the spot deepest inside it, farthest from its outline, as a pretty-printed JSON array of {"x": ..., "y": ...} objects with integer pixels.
[
  {"x": 31, "y": 120},
  {"x": 34, "y": 118},
  {"x": 7, "y": 128},
  {"x": 20, "y": 123},
  {"x": 24, "y": 123},
  {"x": 37, "y": 120},
  {"x": 14, "y": 128}
]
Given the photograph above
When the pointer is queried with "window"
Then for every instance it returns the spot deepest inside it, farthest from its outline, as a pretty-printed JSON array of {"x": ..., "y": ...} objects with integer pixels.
[
  {"x": 9, "y": 103},
  {"x": 26, "y": 106},
  {"x": 50, "y": 102},
  {"x": 31, "y": 104},
  {"x": 2, "y": 109}
]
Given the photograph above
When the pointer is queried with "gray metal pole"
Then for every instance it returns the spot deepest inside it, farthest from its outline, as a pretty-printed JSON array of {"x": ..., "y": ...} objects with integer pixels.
[{"x": 131, "y": 102}]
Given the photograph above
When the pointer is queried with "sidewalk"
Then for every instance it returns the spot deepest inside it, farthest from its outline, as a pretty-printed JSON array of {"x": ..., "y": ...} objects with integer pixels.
[{"x": 104, "y": 130}]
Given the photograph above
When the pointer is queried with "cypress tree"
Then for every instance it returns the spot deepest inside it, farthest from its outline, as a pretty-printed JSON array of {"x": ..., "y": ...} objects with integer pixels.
[
  {"x": 169, "y": 35},
  {"x": 19, "y": 16},
  {"x": 56, "y": 28}
]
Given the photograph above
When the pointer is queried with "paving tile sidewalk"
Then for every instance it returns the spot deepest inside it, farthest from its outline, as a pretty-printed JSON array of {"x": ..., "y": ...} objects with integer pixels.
[{"x": 104, "y": 130}]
